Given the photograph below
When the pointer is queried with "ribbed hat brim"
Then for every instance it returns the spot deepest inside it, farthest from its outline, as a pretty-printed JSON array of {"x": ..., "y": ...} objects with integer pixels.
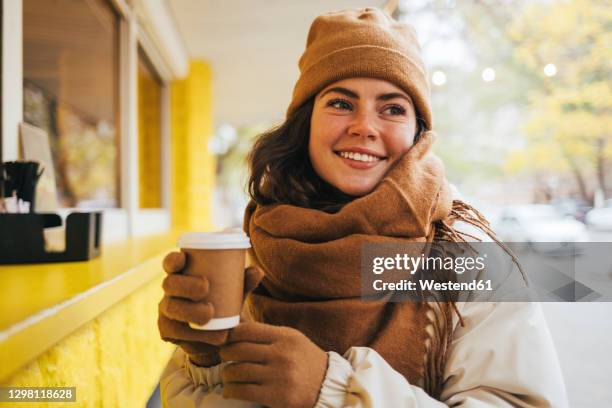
[{"x": 365, "y": 61}]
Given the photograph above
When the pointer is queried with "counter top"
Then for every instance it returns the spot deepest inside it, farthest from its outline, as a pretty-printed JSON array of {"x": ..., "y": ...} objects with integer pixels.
[{"x": 42, "y": 303}]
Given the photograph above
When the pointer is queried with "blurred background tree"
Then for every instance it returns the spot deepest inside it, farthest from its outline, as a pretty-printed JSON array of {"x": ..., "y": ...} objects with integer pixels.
[
  {"x": 571, "y": 106},
  {"x": 479, "y": 92},
  {"x": 521, "y": 94}
]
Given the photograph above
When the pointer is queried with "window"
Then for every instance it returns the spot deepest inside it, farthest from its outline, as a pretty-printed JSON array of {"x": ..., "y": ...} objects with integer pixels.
[
  {"x": 70, "y": 89},
  {"x": 149, "y": 133}
]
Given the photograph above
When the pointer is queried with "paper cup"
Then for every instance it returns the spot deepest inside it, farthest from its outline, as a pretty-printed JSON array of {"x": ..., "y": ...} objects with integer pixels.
[{"x": 220, "y": 257}]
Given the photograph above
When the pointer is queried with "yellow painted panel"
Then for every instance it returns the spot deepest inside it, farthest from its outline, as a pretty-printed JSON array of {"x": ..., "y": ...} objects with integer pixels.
[
  {"x": 194, "y": 167},
  {"x": 114, "y": 360}
]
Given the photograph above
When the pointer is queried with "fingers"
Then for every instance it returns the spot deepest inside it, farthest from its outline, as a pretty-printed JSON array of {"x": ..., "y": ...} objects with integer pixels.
[
  {"x": 247, "y": 392},
  {"x": 244, "y": 352},
  {"x": 186, "y": 310},
  {"x": 174, "y": 262},
  {"x": 166, "y": 331},
  {"x": 186, "y": 286},
  {"x": 174, "y": 331},
  {"x": 252, "y": 277},
  {"x": 253, "y": 332},
  {"x": 241, "y": 372}
]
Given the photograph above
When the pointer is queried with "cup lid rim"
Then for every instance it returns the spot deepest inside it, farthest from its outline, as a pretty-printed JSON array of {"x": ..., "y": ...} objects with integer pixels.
[{"x": 214, "y": 240}]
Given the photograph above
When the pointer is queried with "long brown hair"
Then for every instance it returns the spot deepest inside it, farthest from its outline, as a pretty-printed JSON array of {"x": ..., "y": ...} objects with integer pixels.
[{"x": 280, "y": 170}]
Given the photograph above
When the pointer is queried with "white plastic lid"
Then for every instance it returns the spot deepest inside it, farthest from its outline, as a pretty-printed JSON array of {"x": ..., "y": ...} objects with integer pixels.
[{"x": 232, "y": 239}]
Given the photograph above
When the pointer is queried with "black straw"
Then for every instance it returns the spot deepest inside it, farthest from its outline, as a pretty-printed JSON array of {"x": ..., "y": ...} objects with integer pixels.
[{"x": 21, "y": 178}]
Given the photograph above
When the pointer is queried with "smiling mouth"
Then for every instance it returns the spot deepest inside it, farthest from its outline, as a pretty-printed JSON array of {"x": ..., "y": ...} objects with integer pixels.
[{"x": 359, "y": 157}]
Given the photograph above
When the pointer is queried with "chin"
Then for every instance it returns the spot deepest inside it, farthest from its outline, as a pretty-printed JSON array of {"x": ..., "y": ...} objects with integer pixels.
[{"x": 356, "y": 191}]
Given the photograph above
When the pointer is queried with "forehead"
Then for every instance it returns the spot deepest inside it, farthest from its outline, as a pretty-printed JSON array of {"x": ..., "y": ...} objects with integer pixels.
[{"x": 364, "y": 86}]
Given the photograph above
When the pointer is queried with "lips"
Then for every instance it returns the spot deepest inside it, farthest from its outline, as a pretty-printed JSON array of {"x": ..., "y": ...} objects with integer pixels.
[{"x": 361, "y": 160}]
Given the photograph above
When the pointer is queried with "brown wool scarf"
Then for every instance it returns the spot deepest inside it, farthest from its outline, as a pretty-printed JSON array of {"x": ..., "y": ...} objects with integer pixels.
[{"x": 311, "y": 261}]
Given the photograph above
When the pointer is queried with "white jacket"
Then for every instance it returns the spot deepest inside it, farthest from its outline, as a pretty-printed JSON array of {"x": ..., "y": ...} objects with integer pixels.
[{"x": 502, "y": 357}]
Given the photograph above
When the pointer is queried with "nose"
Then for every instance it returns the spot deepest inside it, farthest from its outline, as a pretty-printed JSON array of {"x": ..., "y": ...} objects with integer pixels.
[{"x": 363, "y": 125}]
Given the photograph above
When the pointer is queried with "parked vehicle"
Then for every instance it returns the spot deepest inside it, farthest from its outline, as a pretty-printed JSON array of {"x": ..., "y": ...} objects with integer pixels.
[
  {"x": 490, "y": 211},
  {"x": 574, "y": 207},
  {"x": 540, "y": 227},
  {"x": 600, "y": 218}
]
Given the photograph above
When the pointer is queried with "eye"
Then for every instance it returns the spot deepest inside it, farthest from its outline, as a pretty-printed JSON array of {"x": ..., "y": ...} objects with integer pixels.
[
  {"x": 339, "y": 104},
  {"x": 395, "y": 110}
]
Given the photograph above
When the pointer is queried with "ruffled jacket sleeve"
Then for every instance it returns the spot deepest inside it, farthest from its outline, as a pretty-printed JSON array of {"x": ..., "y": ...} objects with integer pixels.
[{"x": 185, "y": 385}]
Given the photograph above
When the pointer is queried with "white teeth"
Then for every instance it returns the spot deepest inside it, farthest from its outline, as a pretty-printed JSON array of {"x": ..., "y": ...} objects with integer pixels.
[{"x": 359, "y": 156}]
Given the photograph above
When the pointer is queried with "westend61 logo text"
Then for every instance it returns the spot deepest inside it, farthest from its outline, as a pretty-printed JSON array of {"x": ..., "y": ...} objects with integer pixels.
[{"x": 412, "y": 264}]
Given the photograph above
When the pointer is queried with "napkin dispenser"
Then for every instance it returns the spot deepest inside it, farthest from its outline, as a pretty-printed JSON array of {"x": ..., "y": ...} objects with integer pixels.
[{"x": 22, "y": 238}]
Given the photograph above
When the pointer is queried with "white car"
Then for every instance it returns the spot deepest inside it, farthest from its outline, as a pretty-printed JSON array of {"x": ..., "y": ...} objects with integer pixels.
[
  {"x": 600, "y": 218},
  {"x": 540, "y": 227}
]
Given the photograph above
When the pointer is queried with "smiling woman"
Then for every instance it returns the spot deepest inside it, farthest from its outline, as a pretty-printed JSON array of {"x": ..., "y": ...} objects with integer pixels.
[
  {"x": 336, "y": 146},
  {"x": 346, "y": 168}
]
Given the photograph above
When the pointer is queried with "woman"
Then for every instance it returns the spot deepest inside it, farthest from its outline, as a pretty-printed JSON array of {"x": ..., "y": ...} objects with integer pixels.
[{"x": 352, "y": 163}]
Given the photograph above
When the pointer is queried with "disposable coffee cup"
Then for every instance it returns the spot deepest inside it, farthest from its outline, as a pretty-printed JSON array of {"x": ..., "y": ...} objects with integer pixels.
[{"x": 220, "y": 258}]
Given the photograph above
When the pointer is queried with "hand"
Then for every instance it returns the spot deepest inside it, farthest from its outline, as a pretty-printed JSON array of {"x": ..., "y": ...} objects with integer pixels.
[
  {"x": 184, "y": 301},
  {"x": 272, "y": 365}
]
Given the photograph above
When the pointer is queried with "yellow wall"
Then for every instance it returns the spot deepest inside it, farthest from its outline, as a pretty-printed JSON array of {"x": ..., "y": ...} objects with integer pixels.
[
  {"x": 116, "y": 359},
  {"x": 113, "y": 361},
  {"x": 193, "y": 165}
]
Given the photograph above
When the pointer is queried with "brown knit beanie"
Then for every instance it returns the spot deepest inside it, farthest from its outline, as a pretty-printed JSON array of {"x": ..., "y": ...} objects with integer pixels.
[{"x": 362, "y": 43}]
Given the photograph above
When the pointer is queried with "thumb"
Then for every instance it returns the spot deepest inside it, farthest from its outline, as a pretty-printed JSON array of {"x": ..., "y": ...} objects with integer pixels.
[{"x": 252, "y": 276}]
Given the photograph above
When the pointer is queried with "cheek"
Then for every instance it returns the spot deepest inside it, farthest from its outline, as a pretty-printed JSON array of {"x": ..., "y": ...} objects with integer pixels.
[
  {"x": 324, "y": 134},
  {"x": 399, "y": 140},
  {"x": 316, "y": 142}
]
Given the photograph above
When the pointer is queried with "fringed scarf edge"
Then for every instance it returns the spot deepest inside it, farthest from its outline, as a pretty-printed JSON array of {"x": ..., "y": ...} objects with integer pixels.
[{"x": 440, "y": 329}]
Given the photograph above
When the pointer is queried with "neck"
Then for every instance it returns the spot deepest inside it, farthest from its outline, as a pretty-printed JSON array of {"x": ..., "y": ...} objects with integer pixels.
[{"x": 329, "y": 198}]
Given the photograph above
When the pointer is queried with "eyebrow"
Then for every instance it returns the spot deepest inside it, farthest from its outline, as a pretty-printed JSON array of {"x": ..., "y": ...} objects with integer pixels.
[{"x": 381, "y": 97}]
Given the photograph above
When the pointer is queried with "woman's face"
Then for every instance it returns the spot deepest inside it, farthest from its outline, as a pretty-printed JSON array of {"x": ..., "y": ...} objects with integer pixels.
[{"x": 358, "y": 129}]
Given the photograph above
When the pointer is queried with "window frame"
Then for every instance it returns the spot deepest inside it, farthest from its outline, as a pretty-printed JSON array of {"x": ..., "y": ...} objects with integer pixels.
[
  {"x": 12, "y": 77},
  {"x": 128, "y": 220}
]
